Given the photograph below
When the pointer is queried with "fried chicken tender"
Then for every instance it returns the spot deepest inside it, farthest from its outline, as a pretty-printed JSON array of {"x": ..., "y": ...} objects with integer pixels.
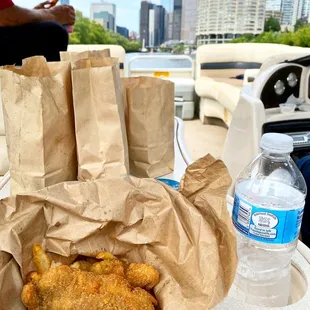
[
  {"x": 109, "y": 266},
  {"x": 65, "y": 288},
  {"x": 142, "y": 275},
  {"x": 32, "y": 276},
  {"x": 82, "y": 265},
  {"x": 138, "y": 275},
  {"x": 105, "y": 255},
  {"x": 41, "y": 259}
]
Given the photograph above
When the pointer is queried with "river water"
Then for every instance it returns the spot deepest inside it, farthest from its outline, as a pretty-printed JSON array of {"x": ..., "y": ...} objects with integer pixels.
[{"x": 157, "y": 63}]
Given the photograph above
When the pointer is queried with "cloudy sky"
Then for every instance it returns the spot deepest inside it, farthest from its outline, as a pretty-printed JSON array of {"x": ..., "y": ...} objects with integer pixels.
[{"x": 127, "y": 10}]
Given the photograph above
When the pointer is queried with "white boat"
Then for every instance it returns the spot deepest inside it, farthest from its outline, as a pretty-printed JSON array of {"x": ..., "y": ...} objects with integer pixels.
[
  {"x": 229, "y": 103},
  {"x": 231, "y": 82}
]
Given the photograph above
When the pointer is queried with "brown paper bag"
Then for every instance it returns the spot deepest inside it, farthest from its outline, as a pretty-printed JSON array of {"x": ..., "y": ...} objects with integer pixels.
[
  {"x": 99, "y": 119},
  {"x": 38, "y": 116},
  {"x": 74, "y": 56},
  {"x": 150, "y": 126},
  {"x": 192, "y": 244}
]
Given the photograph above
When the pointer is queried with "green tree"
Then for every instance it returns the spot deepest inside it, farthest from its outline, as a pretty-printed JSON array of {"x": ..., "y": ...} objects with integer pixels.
[
  {"x": 179, "y": 49},
  {"x": 90, "y": 32},
  {"x": 297, "y": 38},
  {"x": 266, "y": 37},
  {"x": 286, "y": 38},
  {"x": 75, "y": 38},
  {"x": 272, "y": 24},
  {"x": 244, "y": 39},
  {"x": 300, "y": 23},
  {"x": 302, "y": 37}
]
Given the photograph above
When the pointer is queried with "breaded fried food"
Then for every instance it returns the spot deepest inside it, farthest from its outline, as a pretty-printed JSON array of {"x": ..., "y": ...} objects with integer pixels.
[
  {"x": 142, "y": 275},
  {"x": 138, "y": 275},
  {"x": 65, "y": 288},
  {"x": 105, "y": 255},
  {"x": 110, "y": 266},
  {"x": 41, "y": 259},
  {"x": 82, "y": 265}
]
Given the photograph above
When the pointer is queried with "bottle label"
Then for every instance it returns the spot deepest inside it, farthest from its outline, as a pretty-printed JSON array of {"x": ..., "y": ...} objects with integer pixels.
[
  {"x": 265, "y": 225},
  {"x": 172, "y": 183}
]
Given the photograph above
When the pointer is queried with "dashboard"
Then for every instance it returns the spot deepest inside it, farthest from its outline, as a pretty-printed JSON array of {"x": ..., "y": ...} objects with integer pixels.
[
  {"x": 281, "y": 85},
  {"x": 299, "y": 130}
]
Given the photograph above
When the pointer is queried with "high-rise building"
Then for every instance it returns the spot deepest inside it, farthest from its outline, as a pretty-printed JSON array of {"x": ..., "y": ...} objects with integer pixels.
[
  {"x": 160, "y": 13},
  {"x": 123, "y": 31},
  {"x": 144, "y": 21},
  {"x": 177, "y": 20},
  {"x": 273, "y": 9},
  {"x": 302, "y": 10},
  {"x": 168, "y": 5},
  {"x": 273, "y": 5},
  {"x": 156, "y": 26},
  {"x": 220, "y": 21},
  {"x": 151, "y": 28},
  {"x": 290, "y": 9},
  {"x": 105, "y": 19},
  {"x": 189, "y": 20},
  {"x": 305, "y": 11},
  {"x": 275, "y": 14},
  {"x": 152, "y": 24},
  {"x": 103, "y": 12},
  {"x": 168, "y": 26},
  {"x": 62, "y": 2}
]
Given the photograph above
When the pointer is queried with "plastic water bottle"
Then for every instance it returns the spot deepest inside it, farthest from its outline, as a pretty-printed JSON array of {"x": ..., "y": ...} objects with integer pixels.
[{"x": 268, "y": 209}]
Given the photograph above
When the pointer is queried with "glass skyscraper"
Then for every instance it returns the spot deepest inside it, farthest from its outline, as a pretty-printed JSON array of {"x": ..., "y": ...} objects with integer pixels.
[
  {"x": 304, "y": 10},
  {"x": 273, "y": 5},
  {"x": 290, "y": 11},
  {"x": 101, "y": 7}
]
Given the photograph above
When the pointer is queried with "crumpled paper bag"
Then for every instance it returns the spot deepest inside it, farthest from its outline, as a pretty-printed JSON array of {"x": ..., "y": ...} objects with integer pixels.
[
  {"x": 38, "y": 116},
  {"x": 74, "y": 56},
  {"x": 150, "y": 126},
  {"x": 187, "y": 236},
  {"x": 99, "y": 119}
]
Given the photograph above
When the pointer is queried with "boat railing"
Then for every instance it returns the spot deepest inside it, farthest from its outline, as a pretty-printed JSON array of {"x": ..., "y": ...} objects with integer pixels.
[
  {"x": 181, "y": 143},
  {"x": 161, "y": 72}
]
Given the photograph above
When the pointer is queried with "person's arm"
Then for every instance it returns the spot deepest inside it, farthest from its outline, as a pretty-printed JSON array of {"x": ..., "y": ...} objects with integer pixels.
[
  {"x": 12, "y": 15},
  {"x": 15, "y": 16}
]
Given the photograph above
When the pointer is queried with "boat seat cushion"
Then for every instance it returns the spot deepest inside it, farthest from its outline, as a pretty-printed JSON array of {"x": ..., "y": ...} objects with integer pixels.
[
  {"x": 224, "y": 93},
  {"x": 210, "y": 108},
  {"x": 231, "y": 81}
]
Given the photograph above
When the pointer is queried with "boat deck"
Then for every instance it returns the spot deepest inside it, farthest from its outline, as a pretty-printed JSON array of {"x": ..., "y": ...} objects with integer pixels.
[{"x": 201, "y": 140}]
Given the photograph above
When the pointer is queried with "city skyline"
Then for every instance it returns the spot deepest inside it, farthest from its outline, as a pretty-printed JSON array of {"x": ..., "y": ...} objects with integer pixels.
[
  {"x": 211, "y": 21},
  {"x": 127, "y": 11}
]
